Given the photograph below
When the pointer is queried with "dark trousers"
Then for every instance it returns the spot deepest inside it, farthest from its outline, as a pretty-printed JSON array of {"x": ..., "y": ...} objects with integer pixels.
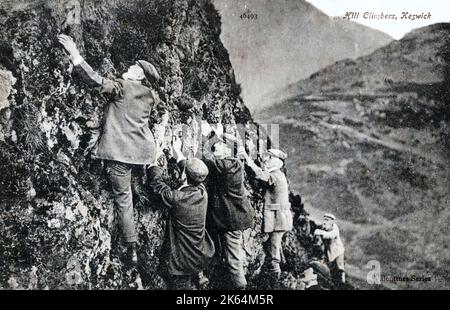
[
  {"x": 119, "y": 175},
  {"x": 337, "y": 268}
]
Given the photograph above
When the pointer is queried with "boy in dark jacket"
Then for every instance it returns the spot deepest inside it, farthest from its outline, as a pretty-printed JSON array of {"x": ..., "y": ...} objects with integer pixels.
[
  {"x": 187, "y": 247},
  {"x": 230, "y": 212}
]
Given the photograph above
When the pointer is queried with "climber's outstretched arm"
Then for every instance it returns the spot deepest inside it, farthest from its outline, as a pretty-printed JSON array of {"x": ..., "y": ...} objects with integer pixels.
[
  {"x": 334, "y": 233},
  {"x": 105, "y": 85},
  {"x": 156, "y": 181},
  {"x": 160, "y": 187},
  {"x": 260, "y": 174}
]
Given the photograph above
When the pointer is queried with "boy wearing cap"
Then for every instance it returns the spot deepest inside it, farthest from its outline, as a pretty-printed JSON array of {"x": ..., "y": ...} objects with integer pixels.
[
  {"x": 334, "y": 248},
  {"x": 126, "y": 139},
  {"x": 187, "y": 246},
  {"x": 277, "y": 216},
  {"x": 230, "y": 212}
]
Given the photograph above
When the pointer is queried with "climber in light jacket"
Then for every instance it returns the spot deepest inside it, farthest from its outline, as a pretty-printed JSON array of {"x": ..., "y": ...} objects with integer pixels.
[
  {"x": 334, "y": 248},
  {"x": 277, "y": 215},
  {"x": 126, "y": 139}
]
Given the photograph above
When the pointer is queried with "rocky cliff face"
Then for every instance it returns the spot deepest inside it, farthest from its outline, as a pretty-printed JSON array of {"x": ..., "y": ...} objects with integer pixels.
[
  {"x": 56, "y": 214},
  {"x": 369, "y": 141}
]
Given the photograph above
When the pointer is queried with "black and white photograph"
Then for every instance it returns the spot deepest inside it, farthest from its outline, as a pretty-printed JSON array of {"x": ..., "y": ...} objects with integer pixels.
[{"x": 238, "y": 146}]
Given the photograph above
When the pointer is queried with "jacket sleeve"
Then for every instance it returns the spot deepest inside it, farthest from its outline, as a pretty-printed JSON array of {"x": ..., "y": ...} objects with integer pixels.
[
  {"x": 334, "y": 233},
  {"x": 207, "y": 155},
  {"x": 103, "y": 84},
  {"x": 261, "y": 174},
  {"x": 160, "y": 187}
]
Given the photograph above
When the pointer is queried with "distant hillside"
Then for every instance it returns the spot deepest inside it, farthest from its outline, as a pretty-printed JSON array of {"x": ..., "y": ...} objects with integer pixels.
[
  {"x": 289, "y": 40},
  {"x": 369, "y": 141},
  {"x": 417, "y": 58}
]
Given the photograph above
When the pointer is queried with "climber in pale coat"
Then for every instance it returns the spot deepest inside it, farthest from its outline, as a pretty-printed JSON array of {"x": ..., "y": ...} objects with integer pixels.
[
  {"x": 334, "y": 247},
  {"x": 126, "y": 140},
  {"x": 277, "y": 215}
]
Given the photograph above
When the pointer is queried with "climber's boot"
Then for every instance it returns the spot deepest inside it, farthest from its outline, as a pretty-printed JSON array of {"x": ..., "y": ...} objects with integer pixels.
[
  {"x": 339, "y": 279},
  {"x": 132, "y": 253}
]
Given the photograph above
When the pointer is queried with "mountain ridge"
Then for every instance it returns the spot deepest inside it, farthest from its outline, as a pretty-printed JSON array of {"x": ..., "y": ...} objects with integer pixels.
[{"x": 289, "y": 40}]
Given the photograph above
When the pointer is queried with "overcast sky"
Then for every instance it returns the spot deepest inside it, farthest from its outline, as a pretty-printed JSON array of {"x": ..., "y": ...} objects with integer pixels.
[{"x": 439, "y": 9}]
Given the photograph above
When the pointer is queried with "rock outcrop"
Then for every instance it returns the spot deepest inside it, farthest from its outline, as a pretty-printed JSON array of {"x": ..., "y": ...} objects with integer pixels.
[{"x": 56, "y": 215}]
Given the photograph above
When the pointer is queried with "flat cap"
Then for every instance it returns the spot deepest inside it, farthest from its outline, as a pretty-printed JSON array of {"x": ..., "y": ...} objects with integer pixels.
[
  {"x": 149, "y": 70},
  {"x": 329, "y": 216},
  {"x": 196, "y": 169},
  {"x": 277, "y": 153}
]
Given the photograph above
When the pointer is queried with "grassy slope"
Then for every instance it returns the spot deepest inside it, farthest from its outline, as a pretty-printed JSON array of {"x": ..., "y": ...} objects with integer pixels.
[{"x": 368, "y": 141}]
